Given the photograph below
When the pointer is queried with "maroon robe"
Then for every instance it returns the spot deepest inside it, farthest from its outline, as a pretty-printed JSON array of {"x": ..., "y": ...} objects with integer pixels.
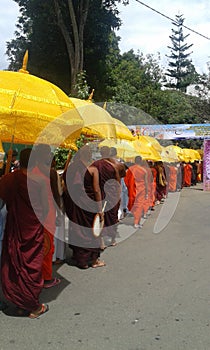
[
  {"x": 110, "y": 192},
  {"x": 81, "y": 207},
  {"x": 22, "y": 251}
]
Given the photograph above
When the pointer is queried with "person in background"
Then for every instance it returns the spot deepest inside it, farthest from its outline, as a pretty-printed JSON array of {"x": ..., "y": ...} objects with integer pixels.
[
  {"x": 82, "y": 200},
  {"x": 43, "y": 169},
  {"x": 15, "y": 164},
  {"x": 137, "y": 184},
  {"x": 187, "y": 176},
  {"x": 109, "y": 181},
  {"x": 59, "y": 239},
  {"x": 22, "y": 251}
]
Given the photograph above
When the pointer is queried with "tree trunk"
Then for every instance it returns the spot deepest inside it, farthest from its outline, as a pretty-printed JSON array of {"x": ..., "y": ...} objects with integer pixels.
[{"x": 74, "y": 44}]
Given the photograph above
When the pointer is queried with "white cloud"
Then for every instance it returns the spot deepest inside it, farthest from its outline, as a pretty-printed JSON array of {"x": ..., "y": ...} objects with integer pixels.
[
  {"x": 147, "y": 31},
  {"x": 8, "y": 18}
]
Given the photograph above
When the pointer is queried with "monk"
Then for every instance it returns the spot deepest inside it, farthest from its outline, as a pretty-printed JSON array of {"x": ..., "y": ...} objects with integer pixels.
[
  {"x": 172, "y": 183},
  {"x": 187, "y": 177},
  {"x": 22, "y": 251},
  {"x": 82, "y": 200},
  {"x": 109, "y": 181},
  {"x": 43, "y": 169},
  {"x": 137, "y": 184}
]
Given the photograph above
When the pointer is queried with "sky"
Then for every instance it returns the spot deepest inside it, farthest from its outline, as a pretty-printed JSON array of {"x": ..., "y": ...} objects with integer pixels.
[{"x": 142, "y": 29}]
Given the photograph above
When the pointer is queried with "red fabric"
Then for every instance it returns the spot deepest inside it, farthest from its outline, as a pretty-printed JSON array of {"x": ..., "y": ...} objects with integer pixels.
[
  {"x": 49, "y": 228},
  {"x": 154, "y": 185},
  {"x": 187, "y": 175},
  {"x": 48, "y": 255},
  {"x": 22, "y": 252},
  {"x": 110, "y": 191},
  {"x": 172, "y": 178},
  {"x": 135, "y": 182}
]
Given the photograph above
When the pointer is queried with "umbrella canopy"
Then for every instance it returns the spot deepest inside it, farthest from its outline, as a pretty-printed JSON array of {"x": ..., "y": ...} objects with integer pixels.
[
  {"x": 122, "y": 130},
  {"x": 145, "y": 149},
  {"x": 125, "y": 149},
  {"x": 176, "y": 152},
  {"x": 169, "y": 155},
  {"x": 34, "y": 110},
  {"x": 153, "y": 142},
  {"x": 190, "y": 155},
  {"x": 97, "y": 121}
]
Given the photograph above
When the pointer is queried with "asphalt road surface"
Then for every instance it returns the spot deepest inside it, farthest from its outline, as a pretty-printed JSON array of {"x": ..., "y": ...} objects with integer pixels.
[{"x": 154, "y": 292}]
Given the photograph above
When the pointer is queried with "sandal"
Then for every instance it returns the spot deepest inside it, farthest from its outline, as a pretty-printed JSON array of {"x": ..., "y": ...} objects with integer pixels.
[
  {"x": 98, "y": 263},
  {"x": 52, "y": 283},
  {"x": 43, "y": 310}
]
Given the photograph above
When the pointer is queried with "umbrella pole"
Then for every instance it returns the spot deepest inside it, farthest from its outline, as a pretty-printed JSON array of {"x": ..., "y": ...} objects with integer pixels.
[
  {"x": 9, "y": 157},
  {"x": 68, "y": 160}
]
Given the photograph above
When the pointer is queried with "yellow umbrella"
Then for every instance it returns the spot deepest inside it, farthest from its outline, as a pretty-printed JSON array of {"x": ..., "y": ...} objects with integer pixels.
[
  {"x": 191, "y": 155},
  {"x": 153, "y": 142},
  {"x": 125, "y": 149},
  {"x": 34, "y": 110},
  {"x": 122, "y": 130},
  {"x": 97, "y": 121},
  {"x": 145, "y": 149},
  {"x": 176, "y": 152},
  {"x": 169, "y": 155}
]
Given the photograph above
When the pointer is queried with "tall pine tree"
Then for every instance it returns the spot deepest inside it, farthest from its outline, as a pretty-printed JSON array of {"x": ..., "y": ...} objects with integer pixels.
[{"x": 181, "y": 71}]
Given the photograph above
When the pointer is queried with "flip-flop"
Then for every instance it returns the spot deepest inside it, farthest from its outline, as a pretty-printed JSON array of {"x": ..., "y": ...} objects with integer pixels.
[
  {"x": 99, "y": 264},
  {"x": 44, "y": 309},
  {"x": 53, "y": 283}
]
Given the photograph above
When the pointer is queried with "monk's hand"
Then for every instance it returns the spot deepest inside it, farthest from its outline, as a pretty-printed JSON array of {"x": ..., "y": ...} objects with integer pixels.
[{"x": 101, "y": 216}]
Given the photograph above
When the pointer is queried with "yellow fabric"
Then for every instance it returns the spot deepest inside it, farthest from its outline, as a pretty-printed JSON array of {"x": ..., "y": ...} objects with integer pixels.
[
  {"x": 97, "y": 121},
  {"x": 125, "y": 149},
  {"x": 176, "y": 152},
  {"x": 190, "y": 155},
  {"x": 34, "y": 110},
  {"x": 145, "y": 149},
  {"x": 122, "y": 130}
]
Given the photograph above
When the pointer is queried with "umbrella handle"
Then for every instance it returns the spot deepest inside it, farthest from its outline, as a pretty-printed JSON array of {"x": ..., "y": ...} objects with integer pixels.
[
  {"x": 68, "y": 160},
  {"x": 9, "y": 159}
]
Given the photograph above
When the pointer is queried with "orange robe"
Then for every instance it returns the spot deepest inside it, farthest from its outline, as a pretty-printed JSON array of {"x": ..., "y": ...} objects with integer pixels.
[
  {"x": 49, "y": 229},
  {"x": 172, "y": 178},
  {"x": 187, "y": 175},
  {"x": 135, "y": 180},
  {"x": 154, "y": 185}
]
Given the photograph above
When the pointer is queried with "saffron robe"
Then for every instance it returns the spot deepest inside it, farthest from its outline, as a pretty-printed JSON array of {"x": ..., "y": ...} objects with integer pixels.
[
  {"x": 49, "y": 227},
  {"x": 135, "y": 180}
]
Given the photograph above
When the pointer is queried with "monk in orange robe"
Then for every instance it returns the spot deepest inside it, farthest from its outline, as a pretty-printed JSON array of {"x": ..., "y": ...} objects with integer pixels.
[
  {"x": 172, "y": 186},
  {"x": 137, "y": 184},
  {"x": 187, "y": 174},
  {"x": 43, "y": 169}
]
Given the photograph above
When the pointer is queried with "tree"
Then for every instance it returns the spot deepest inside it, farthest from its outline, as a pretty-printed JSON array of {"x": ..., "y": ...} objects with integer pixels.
[
  {"x": 181, "y": 69},
  {"x": 56, "y": 33}
]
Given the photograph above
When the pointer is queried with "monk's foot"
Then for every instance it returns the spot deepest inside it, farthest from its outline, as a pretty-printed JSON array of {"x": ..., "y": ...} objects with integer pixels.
[
  {"x": 98, "y": 263},
  {"x": 40, "y": 311},
  {"x": 113, "y": 244},
  {"x": 52, "y": 283}
]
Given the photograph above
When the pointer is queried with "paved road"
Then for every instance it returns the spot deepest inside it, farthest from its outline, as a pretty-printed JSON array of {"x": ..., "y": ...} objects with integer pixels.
[{"x": 153, "y": 294}]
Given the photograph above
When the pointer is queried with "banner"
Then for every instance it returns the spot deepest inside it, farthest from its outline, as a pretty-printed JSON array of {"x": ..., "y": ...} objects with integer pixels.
[
  {"x": 206, "y": 166},
  {"x": 172, "y": 131}
]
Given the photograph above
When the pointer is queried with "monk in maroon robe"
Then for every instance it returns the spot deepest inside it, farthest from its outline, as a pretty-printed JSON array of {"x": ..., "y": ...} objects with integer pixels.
[
  {"x": 22, "y": 251},
  {"x": 109, "y": 180},
  {"x": 82, "y": 200}
]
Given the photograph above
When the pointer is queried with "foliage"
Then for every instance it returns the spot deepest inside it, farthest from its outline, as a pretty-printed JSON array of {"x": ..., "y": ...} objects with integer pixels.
[{"x": 82, "y": 88}]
